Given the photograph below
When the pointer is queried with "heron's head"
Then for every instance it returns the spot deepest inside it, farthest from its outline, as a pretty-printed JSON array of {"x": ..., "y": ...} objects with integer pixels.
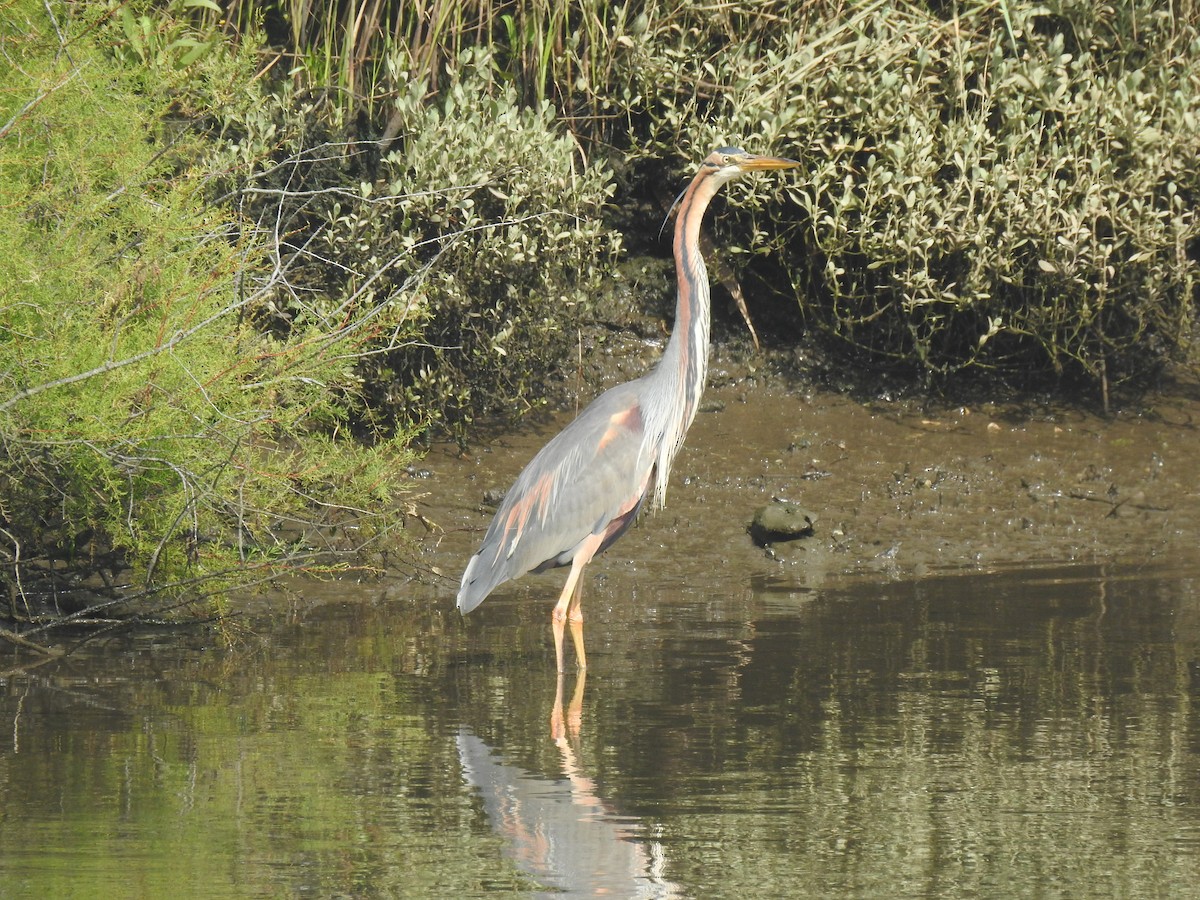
[{"x": 727, "y": 163}]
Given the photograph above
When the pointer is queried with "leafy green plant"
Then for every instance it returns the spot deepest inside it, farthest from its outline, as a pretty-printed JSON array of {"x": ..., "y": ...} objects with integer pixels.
[
  {"x": 470, "y": 246},
  {"x": 1001, "y": 187},
  {"x": 159, "y": 448},
  {"x": 164, "y": 37},
  {"x": 996, "y": 186}
]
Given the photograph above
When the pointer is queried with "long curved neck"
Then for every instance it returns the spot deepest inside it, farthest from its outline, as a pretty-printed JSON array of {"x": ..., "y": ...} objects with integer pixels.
[{"x": 680, "y": 375}]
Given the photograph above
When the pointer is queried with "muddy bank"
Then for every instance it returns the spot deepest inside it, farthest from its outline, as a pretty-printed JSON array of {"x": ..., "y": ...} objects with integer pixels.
[{"x": 899, "y": 489}]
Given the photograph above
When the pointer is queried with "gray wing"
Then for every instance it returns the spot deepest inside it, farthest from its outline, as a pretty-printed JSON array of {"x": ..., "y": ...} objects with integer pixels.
[{"x": 589, "y": 475}]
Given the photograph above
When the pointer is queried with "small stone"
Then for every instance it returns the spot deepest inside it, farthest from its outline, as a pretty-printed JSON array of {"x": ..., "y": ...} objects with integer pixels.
[{"x": 781, "y": 522}]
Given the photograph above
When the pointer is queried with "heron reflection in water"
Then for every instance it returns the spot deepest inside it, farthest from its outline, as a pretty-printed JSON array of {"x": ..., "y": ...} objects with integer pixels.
[
  {"x": 588, "y": 484},
  {"x": 558, "y": 829}
]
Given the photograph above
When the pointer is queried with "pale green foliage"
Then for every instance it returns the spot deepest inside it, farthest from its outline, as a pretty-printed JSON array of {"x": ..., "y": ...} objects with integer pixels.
[
  {"x": 518, "y": 218},
  {"x": 162, "y": 37},
  {"x": 146, "y": 424},
  {"x": 475, "y": 240}
]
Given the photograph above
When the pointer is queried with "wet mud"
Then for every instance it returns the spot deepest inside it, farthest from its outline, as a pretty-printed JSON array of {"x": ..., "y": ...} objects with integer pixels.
[{"x": 898, "y": 489}]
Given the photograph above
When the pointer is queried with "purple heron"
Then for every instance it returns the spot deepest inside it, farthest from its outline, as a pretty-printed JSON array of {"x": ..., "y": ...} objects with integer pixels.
[{"x": 586, "y": 486}]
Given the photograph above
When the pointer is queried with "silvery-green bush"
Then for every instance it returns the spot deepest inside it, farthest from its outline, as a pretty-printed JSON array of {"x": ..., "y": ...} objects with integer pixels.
[
  {"x": 1010, "y": 188},
  {"x": 470, "y": 245}
]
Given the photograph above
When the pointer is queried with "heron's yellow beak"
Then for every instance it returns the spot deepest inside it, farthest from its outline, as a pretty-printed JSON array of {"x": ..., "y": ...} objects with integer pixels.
[{"x": 756, "y": 163}]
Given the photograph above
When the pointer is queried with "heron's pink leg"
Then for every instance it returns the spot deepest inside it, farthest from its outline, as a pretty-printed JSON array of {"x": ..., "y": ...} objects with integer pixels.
[
  {"x": 559, "y": 621},
  {"x": 575, "y": 607},
  {"x": 556, "y": 625},
  {"x": 568, "y": 605}
]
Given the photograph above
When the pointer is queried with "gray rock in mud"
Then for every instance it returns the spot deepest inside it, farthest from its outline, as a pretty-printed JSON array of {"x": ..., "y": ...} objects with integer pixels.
[{"x": 781, "y": 521}]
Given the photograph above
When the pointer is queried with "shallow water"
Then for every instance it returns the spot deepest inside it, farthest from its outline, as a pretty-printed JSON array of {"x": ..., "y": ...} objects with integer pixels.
[
  {"x": 979, "y": 677},
  {"x": 1020, "y": 732}
]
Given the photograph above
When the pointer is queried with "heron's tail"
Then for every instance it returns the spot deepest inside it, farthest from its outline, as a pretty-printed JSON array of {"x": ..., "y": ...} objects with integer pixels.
[{"x": 477, "y": 582}]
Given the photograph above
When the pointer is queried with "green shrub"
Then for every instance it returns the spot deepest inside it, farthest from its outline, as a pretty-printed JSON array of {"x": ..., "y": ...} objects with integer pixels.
[
  {"x": 471, "y": 245},
  {"x": 1011, "y": 188},
  {"x": 544, "y": 49},
  {"x": 158, "y": 448}
]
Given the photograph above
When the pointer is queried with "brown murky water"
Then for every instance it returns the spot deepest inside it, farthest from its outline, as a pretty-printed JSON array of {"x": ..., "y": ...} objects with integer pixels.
[{"x": 979, "y": 677}]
